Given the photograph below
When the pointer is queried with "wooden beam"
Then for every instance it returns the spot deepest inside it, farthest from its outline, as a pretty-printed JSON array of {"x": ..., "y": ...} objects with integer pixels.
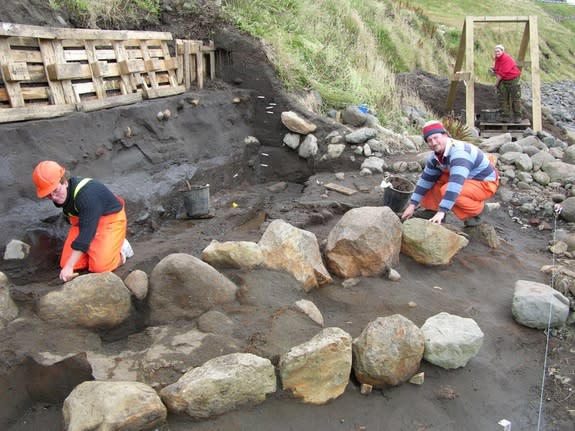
[
  {"x": 502, "y": 19},
  {"x": 458, "y": 63},
  {"x": 12, "y": 88},
  {"x": 9, "y": 29},
  {"x": 14, "y": 72},
  {"x": 34, "y": 113},
  {"x": 535, "y": 74},
  {"x": 59, "y": 72},
  {"x": 110, "y": 102},
  {"x": 470, "y": 85},
  {"x": 461, "y": 76}
]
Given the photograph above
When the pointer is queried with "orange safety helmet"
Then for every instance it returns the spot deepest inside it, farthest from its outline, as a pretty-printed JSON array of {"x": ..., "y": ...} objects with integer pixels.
[{"x": 46, "y": 177}]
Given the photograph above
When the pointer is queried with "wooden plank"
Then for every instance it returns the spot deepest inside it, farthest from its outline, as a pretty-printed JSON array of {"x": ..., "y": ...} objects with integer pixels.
[
  {"x": 35, "y": 113},
  {"x": 340, "y": 189},
  {"x": 27, "y": 56},
  {"x": 212, "y": 56},
  {"x": 461, "y": 76},
  {"x": 56, "y": 88},
  {"x": 535, "y": 74},
  {"x": 470, "y": 86},
  {"x": 110, "y": 102},
  {"x": 12, "y": 88},
  {"x": 501, "y": 19},
  {"x": 69, "y": 93},
  {"x": 9, "y": 29},
  {"x": 167, "y": 57},
  {"x": 14, "y": 72},
  {"x": 458, "y": 63},
  {"x": 129, "y": 84},
  {"x": 66, "y": 71},
  {"x": 97, "y": 79},
  {"x": 28, "y": 93},
  {"x": 131, "y": 66},
  {"x": 154, "y": 93},
  {"x": 151, "y": 74}
]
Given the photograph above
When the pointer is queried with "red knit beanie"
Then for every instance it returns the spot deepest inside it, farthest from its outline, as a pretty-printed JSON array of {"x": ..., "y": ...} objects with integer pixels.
[{"x": 431, "y": 128}]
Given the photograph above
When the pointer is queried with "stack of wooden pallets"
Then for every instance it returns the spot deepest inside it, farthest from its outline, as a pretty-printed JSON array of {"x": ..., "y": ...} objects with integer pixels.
[{"x": 47, "y": 72}]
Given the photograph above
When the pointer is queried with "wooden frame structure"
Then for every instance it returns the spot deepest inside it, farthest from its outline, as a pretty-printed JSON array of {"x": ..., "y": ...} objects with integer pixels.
[
  {"x": 47, "y": 72},
  {"x": 530, "y": 38}
]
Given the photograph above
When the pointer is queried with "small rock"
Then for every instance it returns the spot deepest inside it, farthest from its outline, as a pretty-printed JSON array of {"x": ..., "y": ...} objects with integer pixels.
[
  {"x": 160, "y": 116},
  {"x": 366, "y": 389},
  {"x": 167, "y": 114},
  {"x": 417, "y": 379},
  {"x": 236, "y": 100},
  {"x": 412, "y": 304},
  {"x": 393, "y": 275}
]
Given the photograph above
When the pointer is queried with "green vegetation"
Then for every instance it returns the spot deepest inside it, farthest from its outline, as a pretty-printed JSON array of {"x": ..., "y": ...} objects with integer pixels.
[
  {"x": 110, "y": 13},
  {"x": 349, "y": 50}
]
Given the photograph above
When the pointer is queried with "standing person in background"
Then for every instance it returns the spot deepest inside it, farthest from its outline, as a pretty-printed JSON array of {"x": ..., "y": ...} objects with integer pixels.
[
  {"x": 507, "y": 84},
  {"x": 457, "y": 177},
  {"x": 96, "y": 240}
]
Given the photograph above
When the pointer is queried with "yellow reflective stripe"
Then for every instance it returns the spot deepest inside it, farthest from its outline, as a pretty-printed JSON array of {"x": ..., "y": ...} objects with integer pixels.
[{"x": 81, "y": 184}]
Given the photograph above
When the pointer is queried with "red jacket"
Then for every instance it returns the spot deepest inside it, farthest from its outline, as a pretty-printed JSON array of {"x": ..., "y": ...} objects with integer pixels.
[{"x": 505, "y": 67}]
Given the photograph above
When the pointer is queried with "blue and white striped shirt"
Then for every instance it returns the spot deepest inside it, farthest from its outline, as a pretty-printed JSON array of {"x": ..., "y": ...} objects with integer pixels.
[{"x": 463, "y": 161}]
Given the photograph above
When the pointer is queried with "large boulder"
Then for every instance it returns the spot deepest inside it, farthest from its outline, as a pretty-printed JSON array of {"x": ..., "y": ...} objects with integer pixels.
[
  {"x": 451, "y": 341},
  {"x": 537, "y": 305},
  {"x": 365, "y": 241},
  {"x": 294, "y": 251},
  {"x": 318, "y": 370},
  {"x": 388, "y": 351},
  {"x": 96, "y": 301},
  {"x": 221, "y": 385},
  {"x": 182, "y": 286},
  {"x": 430, "y": 243},
  {"x": 113, "y": 406}
]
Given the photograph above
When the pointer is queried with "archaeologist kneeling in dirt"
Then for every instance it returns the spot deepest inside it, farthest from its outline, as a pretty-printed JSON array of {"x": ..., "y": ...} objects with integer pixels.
[
  {"x": 97, "y": 238},
  {"x": 457, "y": 177}
]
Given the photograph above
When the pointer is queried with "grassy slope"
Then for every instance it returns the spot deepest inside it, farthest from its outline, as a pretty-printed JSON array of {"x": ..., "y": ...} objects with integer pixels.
[{"x": 349, "y": 50}]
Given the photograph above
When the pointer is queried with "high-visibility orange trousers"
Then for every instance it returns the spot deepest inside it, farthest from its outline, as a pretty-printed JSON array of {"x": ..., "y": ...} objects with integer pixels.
[
  {"x": 470, "y": 201},
  {"x": 104, "y": 252}
]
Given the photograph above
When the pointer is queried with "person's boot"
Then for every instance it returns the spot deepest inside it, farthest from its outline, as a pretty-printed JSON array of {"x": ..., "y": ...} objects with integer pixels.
[{"x": 475, "y": 220}]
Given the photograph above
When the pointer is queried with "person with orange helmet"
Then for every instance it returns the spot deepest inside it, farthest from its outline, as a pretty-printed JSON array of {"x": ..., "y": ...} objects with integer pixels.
[{"x": 96, "y": 240}]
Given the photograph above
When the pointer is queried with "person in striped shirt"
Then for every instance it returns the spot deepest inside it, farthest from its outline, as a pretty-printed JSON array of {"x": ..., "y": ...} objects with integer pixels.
[{"x": 458, "y": 177}]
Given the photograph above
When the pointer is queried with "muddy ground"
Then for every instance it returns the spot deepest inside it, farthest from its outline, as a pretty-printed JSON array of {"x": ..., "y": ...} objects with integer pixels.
[{"x": 205, "y": 143}]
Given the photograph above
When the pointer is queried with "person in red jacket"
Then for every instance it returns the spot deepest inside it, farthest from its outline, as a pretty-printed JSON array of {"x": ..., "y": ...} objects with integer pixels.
[
  {"x": 97, "y": 237},
  {"x": 507, "y": 83}
]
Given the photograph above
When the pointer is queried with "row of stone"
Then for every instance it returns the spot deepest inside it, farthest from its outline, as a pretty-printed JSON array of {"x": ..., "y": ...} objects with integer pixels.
[{"x": 315, "y": 372}]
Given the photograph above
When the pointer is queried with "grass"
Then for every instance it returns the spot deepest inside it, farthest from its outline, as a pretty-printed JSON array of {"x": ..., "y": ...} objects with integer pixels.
[
  {"x": 350, "y": 50},
  {"x": 110, "y": 13}
]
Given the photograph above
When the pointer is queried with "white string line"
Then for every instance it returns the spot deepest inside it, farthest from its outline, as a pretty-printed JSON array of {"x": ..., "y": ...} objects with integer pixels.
[{"x": 556, "y": 213}]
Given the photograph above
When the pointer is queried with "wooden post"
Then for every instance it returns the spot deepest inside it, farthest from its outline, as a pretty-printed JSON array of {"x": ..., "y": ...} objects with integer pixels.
[
  {"x": 470, "y": 85},
  {"x": 535, "y": 74},
  {"x": 12, "y": 88}
]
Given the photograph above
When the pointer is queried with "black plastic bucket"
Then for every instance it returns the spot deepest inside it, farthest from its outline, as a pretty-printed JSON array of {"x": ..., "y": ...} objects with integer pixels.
[
  {"x": 396, "y": 196},
  {"x": 197, "y": 201}
]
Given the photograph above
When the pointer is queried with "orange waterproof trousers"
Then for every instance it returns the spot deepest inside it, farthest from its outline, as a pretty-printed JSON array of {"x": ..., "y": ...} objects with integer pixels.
[
  {"x": 104, "y": 252},
  {"x": 470, "y": 201}
]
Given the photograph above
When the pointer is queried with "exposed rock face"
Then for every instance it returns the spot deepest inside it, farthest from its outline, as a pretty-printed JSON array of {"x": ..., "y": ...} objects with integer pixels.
[
  {"x": 99, "y": 300},
  {"x": 388, "y": 351},
  {"x": 220, "y": 385},
  {"x": 113, "y": 406},
  {"x": 451, "y": 341},
  {"x": 296, "y": 251},
  {"x": 182, "y": 286},
  {"x": 318, "y": 371},
  {"x": 366, "y": 241},
  {"x": 533, "y": 302},
  {"x": 430, "y": 243}
]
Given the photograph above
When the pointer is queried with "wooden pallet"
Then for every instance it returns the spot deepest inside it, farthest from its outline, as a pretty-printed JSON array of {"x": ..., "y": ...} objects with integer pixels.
[
  {"x": 196, "y": 61},
  {"x": 516, "y": 129},
  {"x": 47, "y": 72}
]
